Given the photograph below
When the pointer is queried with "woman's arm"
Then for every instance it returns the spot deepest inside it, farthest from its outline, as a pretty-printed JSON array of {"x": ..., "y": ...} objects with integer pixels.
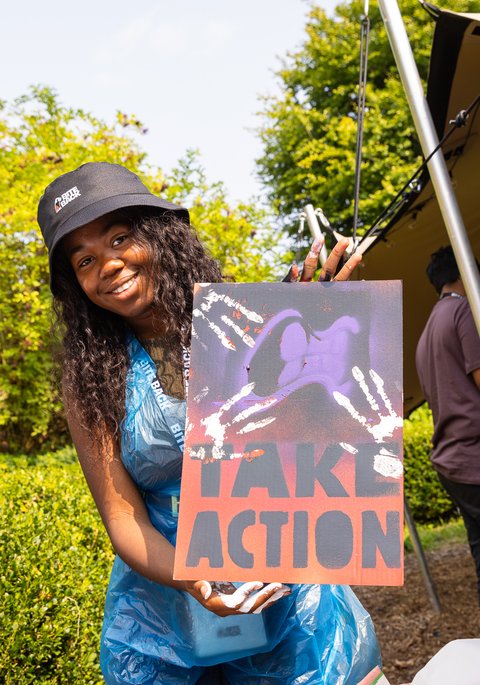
[
  {"x": 122, "y": 508},
  {"x": 135, "y": 539}
]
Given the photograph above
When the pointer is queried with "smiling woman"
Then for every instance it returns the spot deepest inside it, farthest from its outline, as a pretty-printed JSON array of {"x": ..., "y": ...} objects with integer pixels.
[
  {"x": 95, "y": 359},
  {"x": 123, "y": 264},
  {"x": 113, "y": 270}
]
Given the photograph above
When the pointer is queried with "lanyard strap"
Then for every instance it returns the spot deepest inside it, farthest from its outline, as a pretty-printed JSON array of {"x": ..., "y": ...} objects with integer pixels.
[
  {"x": 174, "y": 427},
  {"x": 442, "y": 297}
]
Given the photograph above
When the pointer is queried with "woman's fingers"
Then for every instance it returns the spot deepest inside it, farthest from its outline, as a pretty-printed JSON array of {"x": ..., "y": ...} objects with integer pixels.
[
  {"x": 349, "y": 267},
  {"x": 292, "y": 275},
  {"x": 251, "y": 597},
  {"x": 224, "y": 602},
  {"x": 310, "y": 265},
  {"x": 204, "y": 588},
  {"x": 223, "y": 586},
  {"x": 329, "y": 268},
  {"x": 284, "y": 590},
  {"x": 237, "y": 599},
  {"x": 271, "y": 597},
  {"x": 267, "y": 595}
]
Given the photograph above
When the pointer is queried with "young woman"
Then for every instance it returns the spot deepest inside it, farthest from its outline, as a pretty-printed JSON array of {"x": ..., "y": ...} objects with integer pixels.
[{"x": 123, "y": 263}]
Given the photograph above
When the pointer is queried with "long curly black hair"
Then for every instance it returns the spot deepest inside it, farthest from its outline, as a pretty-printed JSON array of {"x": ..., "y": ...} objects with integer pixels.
[{"x": 94, "y": 358}]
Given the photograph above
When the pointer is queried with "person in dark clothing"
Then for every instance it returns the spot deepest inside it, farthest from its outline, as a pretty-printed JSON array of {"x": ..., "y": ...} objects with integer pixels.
[{"x": 448, "y": 366}]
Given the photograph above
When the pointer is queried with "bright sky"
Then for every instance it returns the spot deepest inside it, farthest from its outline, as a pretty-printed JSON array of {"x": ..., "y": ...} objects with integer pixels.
[{"x": 190, "y": 70}]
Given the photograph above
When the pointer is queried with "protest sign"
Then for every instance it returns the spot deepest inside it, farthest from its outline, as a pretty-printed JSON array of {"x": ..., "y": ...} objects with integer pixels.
[{"x": 292, "y": 468}]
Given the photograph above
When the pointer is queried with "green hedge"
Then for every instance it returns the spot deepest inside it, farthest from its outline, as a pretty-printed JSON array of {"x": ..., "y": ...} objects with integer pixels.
[
  {"x": 426, "y": 497},
  {"x": 55, "y": 559}
]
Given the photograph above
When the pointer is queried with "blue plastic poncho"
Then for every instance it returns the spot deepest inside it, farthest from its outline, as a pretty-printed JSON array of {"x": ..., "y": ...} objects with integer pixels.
[{"x": 152, "y": 634}]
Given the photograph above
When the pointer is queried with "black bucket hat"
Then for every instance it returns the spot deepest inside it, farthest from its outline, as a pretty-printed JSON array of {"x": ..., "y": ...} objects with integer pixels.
[{"x": 87, "y": 193}]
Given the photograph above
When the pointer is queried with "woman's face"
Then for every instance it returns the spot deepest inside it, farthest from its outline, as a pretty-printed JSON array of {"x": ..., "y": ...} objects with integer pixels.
[{"x": 113, "y": 270}]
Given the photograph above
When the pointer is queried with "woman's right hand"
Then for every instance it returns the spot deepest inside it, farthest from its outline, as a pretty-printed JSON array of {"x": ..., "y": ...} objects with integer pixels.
[
  {"x": 328, "y": 270},
  {"x": 224, "y": 599}
]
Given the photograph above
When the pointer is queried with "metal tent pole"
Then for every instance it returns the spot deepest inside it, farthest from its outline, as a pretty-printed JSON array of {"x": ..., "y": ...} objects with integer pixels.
[
  {"x": 447, "y": 201},
  {"x": 315, "y": 230},
  {"x": 422, "y": 562}
]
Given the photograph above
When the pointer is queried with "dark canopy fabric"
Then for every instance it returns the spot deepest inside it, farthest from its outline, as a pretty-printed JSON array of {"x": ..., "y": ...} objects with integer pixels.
[{"x": 401, "y": 249}]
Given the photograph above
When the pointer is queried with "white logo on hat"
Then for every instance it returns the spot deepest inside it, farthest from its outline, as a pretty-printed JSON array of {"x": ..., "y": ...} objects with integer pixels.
[{"x": 67, "y": 197}]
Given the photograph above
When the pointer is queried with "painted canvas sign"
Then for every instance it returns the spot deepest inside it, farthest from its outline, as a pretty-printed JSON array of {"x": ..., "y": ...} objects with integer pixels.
[{"x": 293, "y": 451}]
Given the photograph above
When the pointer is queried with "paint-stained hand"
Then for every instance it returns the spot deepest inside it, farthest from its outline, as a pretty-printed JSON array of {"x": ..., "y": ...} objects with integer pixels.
[
  {"x": 224, "y": 599},
  {"x": 327, "y": 272}
]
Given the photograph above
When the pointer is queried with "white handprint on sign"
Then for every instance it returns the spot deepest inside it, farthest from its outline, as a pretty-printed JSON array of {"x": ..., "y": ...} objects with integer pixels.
[
  {"x": 237, "y": 310},
  {"x": 385, "y": 462},
  {"x": 216, "y": 425},
  {"x": 387, "y": 422}
]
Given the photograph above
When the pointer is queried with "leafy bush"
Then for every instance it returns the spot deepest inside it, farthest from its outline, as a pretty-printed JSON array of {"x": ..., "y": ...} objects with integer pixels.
[
  {"x": 39, "y": 140},
  {"x": 55, "y": 561},
  {"x": 308, "y": 126},
  {"x": 426, "y": 497}
]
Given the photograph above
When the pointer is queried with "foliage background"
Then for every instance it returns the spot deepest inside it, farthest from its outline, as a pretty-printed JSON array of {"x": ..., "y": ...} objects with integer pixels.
[
  {"x": 427, "y": 499},
  {"x": 39, "y": 140},
  {"x": 309, "y": 130},
  {"x": 55, "y": 557},
  {"x": 55, "y": 560}
]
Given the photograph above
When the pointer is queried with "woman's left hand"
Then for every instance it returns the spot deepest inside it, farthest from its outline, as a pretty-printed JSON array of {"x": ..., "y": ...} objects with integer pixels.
[{"x": 327, "y": 272}]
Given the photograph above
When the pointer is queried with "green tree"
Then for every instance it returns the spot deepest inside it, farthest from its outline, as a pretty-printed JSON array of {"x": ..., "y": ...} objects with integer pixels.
[
  {"x": 239, "y": 236},
  {"x": 39, "y": 140},
  {"x": 309, "y": 130}
]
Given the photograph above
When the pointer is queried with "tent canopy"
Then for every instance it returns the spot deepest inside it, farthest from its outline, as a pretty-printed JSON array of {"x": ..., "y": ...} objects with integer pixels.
[{"x": 402, "y": 248}]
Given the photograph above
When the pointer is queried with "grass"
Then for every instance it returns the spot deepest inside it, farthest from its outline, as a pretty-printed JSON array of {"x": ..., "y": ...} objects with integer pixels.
[{"x": 433, "y": 536}]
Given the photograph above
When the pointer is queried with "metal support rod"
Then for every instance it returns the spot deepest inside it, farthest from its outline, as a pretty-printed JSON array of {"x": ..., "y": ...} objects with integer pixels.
[
  {"x": 362, "y": 94},
  {"x": 422, "y": 562},
  {"x": 315, "y": 230},
  {"x": 439, "y": 175}
]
